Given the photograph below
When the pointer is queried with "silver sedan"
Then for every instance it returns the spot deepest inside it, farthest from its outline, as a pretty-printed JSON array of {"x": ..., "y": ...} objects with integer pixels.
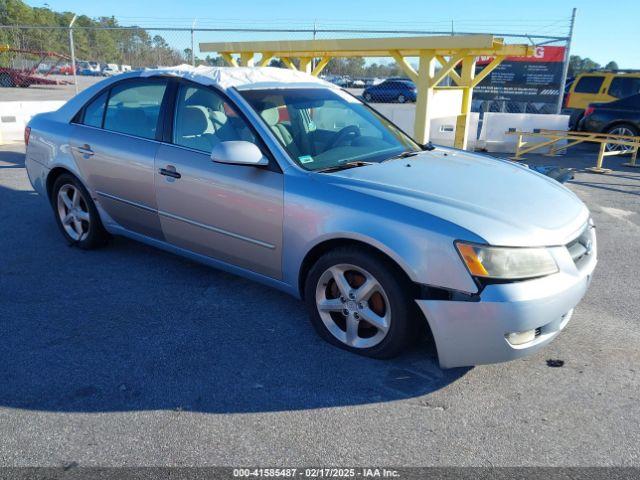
[{"x": 290, "y": 181}]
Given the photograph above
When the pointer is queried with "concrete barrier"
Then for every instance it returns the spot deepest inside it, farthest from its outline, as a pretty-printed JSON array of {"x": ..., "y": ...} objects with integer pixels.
[
  {"x": 14, "y": 116},
  {"x": 494, "y": 126}
]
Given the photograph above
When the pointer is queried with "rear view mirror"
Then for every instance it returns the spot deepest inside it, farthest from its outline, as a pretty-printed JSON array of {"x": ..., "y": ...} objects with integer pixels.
[{"x": 238, "y": 152}]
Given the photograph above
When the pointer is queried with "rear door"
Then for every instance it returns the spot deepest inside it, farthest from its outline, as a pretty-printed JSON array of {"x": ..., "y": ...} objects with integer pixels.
[
  {"x": 114, "y": 143},
  {"x": 229, "y": 212}
]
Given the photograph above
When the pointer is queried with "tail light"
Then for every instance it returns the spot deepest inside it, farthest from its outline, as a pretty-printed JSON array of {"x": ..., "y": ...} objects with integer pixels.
[
  {"x": 567, "y": 99},
  {"x": 589, "y": 111},
  {"x": 27, "y": 134}
]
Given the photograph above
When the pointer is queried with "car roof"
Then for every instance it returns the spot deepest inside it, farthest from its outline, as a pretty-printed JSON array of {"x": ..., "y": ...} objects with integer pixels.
[{"x": 241, "y": 78}]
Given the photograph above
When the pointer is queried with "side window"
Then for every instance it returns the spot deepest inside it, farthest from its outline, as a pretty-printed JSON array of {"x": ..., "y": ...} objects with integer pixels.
[
  {"x": 203, "y": 119},
  {"x": 94, "y": 112},
  {"x": 134, "y": 108},
  {"x": 622, "y": 87},
  {"x": 589, "y": 85}
]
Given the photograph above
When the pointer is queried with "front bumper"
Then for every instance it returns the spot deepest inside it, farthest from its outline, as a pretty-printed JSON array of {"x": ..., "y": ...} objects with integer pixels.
[{"x": 472, "y": 333}]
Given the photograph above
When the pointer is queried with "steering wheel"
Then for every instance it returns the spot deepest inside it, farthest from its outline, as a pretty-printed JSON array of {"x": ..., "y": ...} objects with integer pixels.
[{"x": 342, "y": 135}]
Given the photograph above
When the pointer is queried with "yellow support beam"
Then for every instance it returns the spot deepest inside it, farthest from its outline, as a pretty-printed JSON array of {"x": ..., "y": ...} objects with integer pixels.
[
  {"x": 229, "y": 59},
  {"x": 266, "y": 58},
  {"x": 305, "y": 64},
  {"x": 446, "y": 69},
  {"x": 462, "y": 124},
  {"x": 247, "y": 59},
  {"x": 374, "y": 47},
  {"x": 453, "y": 75},
  {"x": 289, "y": 64},
  {"x": 422, "y": 123},
  {"x": 404, "y": 65},
  {"x": 320, "y": 66},
  {"x": 484, "y": 73}
]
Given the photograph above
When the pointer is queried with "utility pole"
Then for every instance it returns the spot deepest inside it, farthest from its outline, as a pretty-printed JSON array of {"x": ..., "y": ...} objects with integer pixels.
[
  {"x": 73, "y": 53},
  {"x": 193, "y": 52},
  {"x": 567, "y": 52}
]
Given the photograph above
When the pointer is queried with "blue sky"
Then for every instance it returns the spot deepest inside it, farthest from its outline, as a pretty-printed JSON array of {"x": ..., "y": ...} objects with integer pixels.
[{"x": 601, "y": 33}]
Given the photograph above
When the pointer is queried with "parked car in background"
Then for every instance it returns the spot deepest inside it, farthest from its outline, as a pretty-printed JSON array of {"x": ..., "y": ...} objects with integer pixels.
[
  {"x": 65, "y": 69},
  {"x": 396, "y": 90},
  {"x": 286, "y": 179},
  {"x": 110, "y": 69},
  {"x": 599, "y": 86},
  {"x": 621, "y": 117}
]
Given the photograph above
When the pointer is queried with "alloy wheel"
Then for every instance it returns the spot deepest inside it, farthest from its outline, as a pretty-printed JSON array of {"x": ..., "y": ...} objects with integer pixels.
[
  {"x": 353, "y": 306},
  {"x": 612, "y": 147},
  {"x": 73, "y": 212}
]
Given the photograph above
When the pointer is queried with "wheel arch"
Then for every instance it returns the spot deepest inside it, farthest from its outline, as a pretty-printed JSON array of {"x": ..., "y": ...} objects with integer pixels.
[
  {"x": 618, "y": 123},
  {"x": 53, "y": 175},
  {"x": 58, "y": 170},
  {"x": 331, "y": 244}
]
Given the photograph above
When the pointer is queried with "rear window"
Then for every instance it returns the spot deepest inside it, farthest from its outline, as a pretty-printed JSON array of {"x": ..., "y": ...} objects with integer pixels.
[
  {"x": 622, "y": 87},
  {"x": 589, "y": 85}
]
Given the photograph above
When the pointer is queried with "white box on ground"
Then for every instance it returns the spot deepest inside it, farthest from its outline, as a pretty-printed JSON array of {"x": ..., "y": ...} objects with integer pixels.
[{"x": 14, "y": 116}]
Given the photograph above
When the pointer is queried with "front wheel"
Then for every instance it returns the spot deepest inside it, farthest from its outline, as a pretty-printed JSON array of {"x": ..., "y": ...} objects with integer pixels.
[
  {"x": 368, "y": 97},
  {"x": 402, "y": 98},
  {"x": 76, "y": 214},
  {"x": 361, "y": 303}
]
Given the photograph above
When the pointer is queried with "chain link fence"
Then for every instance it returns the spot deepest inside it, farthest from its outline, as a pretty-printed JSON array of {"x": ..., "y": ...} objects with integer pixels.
[{"x": 45, "y": 52}]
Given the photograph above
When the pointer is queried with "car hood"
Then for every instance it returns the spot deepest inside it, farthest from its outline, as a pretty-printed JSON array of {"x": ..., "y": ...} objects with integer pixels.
[{"x": 503, "y": 202}]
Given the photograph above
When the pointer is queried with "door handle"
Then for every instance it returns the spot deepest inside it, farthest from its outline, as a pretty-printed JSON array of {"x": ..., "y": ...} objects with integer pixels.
[
  {"x": 170, "y": 171},
  {"x": 85, "y": 150}
]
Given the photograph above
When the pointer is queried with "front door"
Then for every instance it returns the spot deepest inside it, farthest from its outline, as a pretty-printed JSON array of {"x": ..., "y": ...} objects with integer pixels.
[{"x": 229, "y": 212}]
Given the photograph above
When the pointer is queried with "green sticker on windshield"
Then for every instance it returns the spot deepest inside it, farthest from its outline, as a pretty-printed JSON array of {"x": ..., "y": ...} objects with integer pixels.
[{"x": 306, "y": 159}]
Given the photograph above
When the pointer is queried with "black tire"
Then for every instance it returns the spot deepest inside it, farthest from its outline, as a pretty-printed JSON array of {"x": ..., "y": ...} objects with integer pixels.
[
  {"x": 404, "y": 324},
  {"x": 402, "y": 99},
  {"x": 368, "y": 97},
  {"x": 6, "y": 80},
  {"x": 96, "y": 235}
]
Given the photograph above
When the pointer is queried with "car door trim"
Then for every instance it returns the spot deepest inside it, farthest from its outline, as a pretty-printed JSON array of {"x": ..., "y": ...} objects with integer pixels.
[
  {"x": 128, "y": 202},
  {"x": 217, "y": 230}
]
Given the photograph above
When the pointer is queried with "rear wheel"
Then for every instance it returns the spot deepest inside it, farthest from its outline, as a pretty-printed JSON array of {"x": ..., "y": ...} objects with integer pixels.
[
  {"x": 402, "y": 98},
  {"x": 76, "y": 214},
  {"x": 361, "y": 303},
  {"x": 627, "y": 130}
]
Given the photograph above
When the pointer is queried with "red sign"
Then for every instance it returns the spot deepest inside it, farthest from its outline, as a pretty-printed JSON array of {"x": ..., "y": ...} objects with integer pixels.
[{"x": 545, "y": 54}]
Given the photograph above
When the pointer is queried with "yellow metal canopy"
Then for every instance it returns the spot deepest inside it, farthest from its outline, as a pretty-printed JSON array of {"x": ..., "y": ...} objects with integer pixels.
[{"x": 448, "y": 51}]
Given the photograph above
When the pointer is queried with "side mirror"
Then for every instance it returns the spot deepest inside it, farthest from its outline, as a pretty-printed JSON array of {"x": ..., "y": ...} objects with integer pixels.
[{"x": 238, "y": 152}]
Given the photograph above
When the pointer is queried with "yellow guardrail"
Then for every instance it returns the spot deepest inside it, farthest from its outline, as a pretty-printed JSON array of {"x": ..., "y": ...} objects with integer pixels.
[{"x": 623, "y": 144}]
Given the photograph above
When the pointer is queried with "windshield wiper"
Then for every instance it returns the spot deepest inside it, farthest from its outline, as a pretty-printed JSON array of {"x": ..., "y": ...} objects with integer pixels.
[
  {"x": 405, "y": 154},
  {"x": 343, "y": 166}
]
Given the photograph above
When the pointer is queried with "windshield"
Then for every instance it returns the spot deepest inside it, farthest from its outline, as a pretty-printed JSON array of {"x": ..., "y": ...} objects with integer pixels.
[{"x": 322, "y": 128}]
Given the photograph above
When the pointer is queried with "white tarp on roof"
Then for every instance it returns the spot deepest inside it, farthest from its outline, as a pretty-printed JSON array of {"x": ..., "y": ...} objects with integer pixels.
[{"x": 227, "y": 77}]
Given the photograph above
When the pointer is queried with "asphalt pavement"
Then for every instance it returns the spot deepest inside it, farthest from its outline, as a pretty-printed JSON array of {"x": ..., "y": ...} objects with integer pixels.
[{"x": 131, "y": 356}]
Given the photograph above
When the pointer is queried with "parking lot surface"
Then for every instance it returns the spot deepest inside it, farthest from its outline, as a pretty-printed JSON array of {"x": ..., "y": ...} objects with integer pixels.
[{"x": 131, "y": 356}]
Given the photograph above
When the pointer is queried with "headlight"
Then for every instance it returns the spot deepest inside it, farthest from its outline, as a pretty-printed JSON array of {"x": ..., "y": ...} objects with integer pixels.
[{"x": 505, "y": 263}]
